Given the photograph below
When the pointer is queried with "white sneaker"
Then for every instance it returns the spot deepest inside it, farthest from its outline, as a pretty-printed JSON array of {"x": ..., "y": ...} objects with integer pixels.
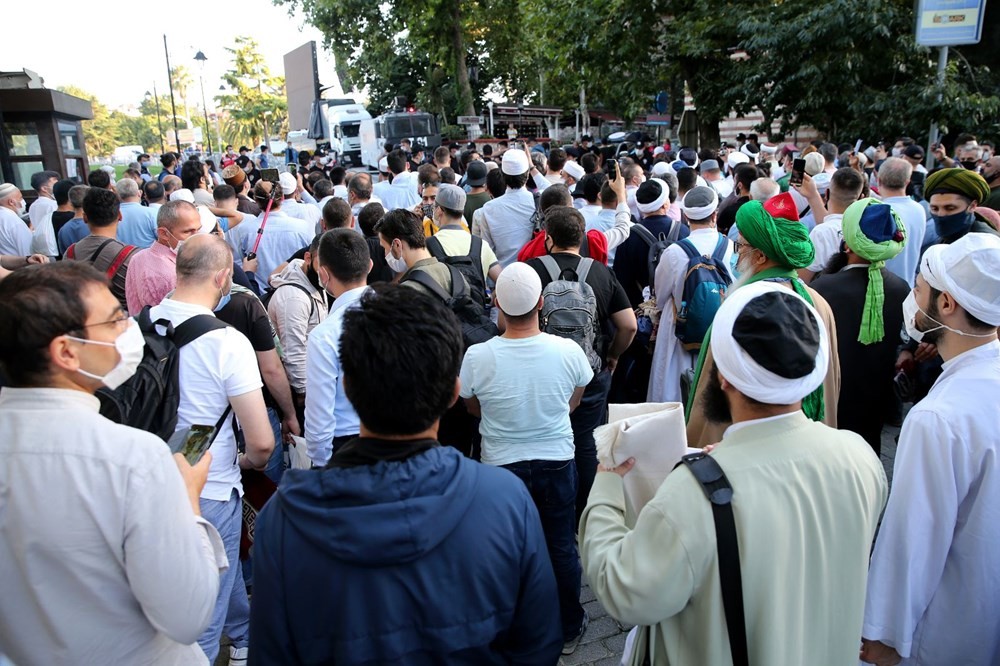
[{"x": 238, "y": 656}]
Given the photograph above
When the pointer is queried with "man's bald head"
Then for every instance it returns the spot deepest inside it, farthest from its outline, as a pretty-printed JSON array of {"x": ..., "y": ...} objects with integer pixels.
[
  {"x": 170, "y": 184},
  {"x": 201, "y": 258},
  {"x": 174, "y": 214}
]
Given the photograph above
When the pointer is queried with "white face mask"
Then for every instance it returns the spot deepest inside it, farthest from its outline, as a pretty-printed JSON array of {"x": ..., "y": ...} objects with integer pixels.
[
  {"x": 897, "y": 152},
  {"x": 395, "y": 265},
  {"x": 22, "y": 207},
  {"x": 910, "y": 310},
  {"x": 130, "y": 346}
]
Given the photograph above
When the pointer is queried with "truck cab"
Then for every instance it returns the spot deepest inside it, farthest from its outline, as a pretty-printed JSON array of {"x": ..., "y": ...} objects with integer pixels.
[
  {"x": 335, "y": 124},
  {"x": 394, "y": 126}
]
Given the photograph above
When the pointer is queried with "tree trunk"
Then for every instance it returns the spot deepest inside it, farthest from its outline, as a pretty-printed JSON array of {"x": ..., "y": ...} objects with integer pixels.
[{"x": 461, "y": 69}]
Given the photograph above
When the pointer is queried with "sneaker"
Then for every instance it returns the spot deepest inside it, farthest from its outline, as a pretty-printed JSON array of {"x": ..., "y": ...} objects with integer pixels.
[
  {"x": 238, "y": 656},
  {"x": 569, "y": 647}
]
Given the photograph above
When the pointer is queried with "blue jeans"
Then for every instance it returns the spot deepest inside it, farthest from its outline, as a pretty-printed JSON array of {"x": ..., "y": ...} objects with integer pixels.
[
  {"x": 591, "y": 413},
  {"x": 232, "y": 608},
  {"x": 276, "y": 465},
  {"x": 552, "y": 484}
]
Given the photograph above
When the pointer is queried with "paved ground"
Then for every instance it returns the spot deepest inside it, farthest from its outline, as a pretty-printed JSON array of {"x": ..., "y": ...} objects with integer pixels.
[{"x": 604, "y": 641}]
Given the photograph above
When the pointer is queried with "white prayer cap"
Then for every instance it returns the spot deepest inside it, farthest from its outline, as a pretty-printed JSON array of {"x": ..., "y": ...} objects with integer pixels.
[
  {"x": 814, "y": 163},
  {"x": 574, "y": 170},
  {"x": 183, "y": 194},
  {"x": 490, "y": 166},
  {"x": 515, "y": 162},
  {"x": 652, "y": 195},
  {"x": 518, "y": 289},
  {"x": 661, "y": 168},
  {"x": 770, "y": 344},
  {"x": 383, "y": 165},
  {"x": 736, "y": 158},
  {"x": 6, "y": 190},
  {"x": 770, "y": 150},
  {"x": 699, "y": 203},
  {"x": 969, "y": 270},
  {"x": 287, "y": 183},
  {"x": 208, "y": 221},
  {"x": 659, "y": 150},
  {"x": 749, "y": 152}
]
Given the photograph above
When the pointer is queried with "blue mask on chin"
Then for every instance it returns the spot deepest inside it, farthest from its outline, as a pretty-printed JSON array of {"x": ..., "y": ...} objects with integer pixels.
[
  {"x": 224, "y": 301},
  {"x": 952, "y": 225}
]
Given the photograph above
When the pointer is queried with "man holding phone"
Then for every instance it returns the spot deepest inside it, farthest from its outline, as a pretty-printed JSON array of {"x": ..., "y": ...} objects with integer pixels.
[{"x": 103, "y": 521}]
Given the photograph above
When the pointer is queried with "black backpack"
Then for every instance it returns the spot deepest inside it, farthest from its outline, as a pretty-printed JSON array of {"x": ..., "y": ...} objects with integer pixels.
[
  {"x": 656, "y": 247},
  {"x": 150, "y": 398},
  {"x": 476, "y": 326},
  {"x": 471, "y": 266}
]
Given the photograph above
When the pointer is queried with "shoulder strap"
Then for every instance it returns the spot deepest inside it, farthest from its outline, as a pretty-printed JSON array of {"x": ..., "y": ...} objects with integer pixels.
[
  {"x": 458, "y": 285},
  {"x": 195, "y": 327},
  {"x": 645, "y": 234},
  {"x": 476, "y": 252},
  {"x": 720, "y": 248},
  {"x": 97, "y": 252},
  {"x": 688, "y": 247},
  {"x": 675, "y": 231},
  {"x": 583, "y": 268},
  {"x": 551, "y": 266},
  {"x": 119, "y": 260},
  {"x": 435, "y": 248},
  {"x": 720, "y": 493},
  {"x": 312, "y": 303},
  {"x": 421, "y": 277}
]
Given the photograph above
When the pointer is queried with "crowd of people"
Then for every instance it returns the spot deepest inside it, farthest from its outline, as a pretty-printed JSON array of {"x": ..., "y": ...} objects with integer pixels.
[{"x": 395, "y": 379}]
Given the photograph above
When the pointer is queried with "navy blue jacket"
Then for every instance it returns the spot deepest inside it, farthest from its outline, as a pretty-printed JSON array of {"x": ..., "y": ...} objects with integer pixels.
[{"x": 435, "y": 559}]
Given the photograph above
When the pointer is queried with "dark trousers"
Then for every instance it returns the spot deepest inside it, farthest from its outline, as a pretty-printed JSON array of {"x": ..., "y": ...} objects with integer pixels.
[
  {"x": 591, "y": 413},
  {"x": 552, "y": 484}
]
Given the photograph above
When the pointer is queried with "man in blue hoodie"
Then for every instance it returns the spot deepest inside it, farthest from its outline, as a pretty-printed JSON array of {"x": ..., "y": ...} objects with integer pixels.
[{"x": 400, "y": 550}]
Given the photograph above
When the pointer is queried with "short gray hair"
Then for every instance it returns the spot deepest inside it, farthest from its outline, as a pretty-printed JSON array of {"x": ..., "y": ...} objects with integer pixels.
[
  {"x": 76, "y": 195},
  {"x": 171, "y": 214},
  {"x": 763, "y": 189},
  {"x": 895, "y": 173},
  {"x": 127, "y": 188}
]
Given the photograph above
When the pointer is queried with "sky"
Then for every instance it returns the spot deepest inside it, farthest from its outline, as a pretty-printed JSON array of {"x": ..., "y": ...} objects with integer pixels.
[{"x": 118, "y": 56}]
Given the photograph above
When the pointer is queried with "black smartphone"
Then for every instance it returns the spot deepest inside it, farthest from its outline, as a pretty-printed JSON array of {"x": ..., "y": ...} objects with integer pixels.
[
  {"x": 798, "y": 172},
  {"x": 270, "y": 175},
  {"x": 192, "y": 442},
  {"x": 610, "y": 170}
]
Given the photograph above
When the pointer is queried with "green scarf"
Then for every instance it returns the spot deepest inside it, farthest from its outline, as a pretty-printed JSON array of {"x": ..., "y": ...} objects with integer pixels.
[{"x": 813, "y": 405}]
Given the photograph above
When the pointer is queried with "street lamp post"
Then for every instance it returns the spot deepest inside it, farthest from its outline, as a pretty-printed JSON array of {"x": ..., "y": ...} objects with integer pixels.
[
  {"x": 520, "y": 118},
  {"x": 201, "y": 58},
  {"x": 173, "y": 106}
]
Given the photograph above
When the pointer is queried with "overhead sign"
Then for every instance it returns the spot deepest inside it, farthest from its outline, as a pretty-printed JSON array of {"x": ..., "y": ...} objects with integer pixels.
[
  {"x": 192, "y": 135},
  {"x": 949, "y": 22},
  {"x": 658, "y": 120},
  {"x": 470, "y": 120}
]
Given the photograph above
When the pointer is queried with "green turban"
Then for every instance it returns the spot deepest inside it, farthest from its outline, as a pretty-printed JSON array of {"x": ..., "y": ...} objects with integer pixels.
[
  {"x": 874, "y": 232},
  {"x": 783, "y": 241},
  {"x": 957, "y": 181}
]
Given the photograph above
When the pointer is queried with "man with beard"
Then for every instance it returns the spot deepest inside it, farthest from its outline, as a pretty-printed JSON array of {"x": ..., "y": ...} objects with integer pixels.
[
  {"x": 804, "y": 507},
  {"x": 867, "y": 302},
  {"x": 933, "y": 589},
  {"x": 769, "y": 249},
  {"x": 295, "y": 313}
]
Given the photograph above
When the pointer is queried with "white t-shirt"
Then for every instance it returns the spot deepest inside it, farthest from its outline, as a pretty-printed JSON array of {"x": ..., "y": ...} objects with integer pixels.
[
  {"x": 524, "y": 387},
  {"x": 15, "y": 236},
  {"x": 826, "y": 239},
  {"x": 218, "y": 365}
]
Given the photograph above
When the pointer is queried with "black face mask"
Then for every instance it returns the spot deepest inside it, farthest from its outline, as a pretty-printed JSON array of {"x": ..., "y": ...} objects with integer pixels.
[
  {"x": 313, "y": 277},
  {"x": 969, "y": 164},
  {"x": 990, "y": 178}
]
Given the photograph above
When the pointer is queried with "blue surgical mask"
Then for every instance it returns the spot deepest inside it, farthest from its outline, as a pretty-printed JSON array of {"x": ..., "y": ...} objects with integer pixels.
[
  {"x": 226, "y": 297},
  {"x": 734, "y": 270},
  {"x": 951, "y": 225}
]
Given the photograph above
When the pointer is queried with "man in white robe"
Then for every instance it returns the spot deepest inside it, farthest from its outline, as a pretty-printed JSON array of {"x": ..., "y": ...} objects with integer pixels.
[{"x": 934, "y": 583}]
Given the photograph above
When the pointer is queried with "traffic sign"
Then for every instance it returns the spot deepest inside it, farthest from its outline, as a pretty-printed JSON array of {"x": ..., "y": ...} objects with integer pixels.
[
  {"x": 470, "y": 120},
  {"x": 949, "y": 22},
  {"x": 662, "y": 102},
  {"x": 658, "y": 120}
]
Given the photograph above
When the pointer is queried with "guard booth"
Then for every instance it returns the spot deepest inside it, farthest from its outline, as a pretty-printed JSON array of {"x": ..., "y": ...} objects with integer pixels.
[{"x": 40, "y": 129}]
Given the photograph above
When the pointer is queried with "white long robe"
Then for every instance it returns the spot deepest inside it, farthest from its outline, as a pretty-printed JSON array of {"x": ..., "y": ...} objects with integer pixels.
[
  {"x": 934, "y": 583},
  {"x": 670, "y": 359}
]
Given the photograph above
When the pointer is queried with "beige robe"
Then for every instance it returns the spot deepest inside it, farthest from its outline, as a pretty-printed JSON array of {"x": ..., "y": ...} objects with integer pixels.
[{"x": 701, "y": 433}]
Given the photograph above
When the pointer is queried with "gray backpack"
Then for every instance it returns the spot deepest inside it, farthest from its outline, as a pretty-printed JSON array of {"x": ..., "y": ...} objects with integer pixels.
[{"x": 569, "y": 308}]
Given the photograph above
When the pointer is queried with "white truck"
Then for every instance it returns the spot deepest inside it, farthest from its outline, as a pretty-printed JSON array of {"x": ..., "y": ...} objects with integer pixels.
[{"x": 337, "y": 123}]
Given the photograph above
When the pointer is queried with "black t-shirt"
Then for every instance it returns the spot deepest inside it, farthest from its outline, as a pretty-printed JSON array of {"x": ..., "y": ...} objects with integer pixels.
[
  {"x": 247, "y": 315},
  {"x": 380, "y": 270},
  {"x": 60, "y": 218},
  {"x": 608, "y": 291}
]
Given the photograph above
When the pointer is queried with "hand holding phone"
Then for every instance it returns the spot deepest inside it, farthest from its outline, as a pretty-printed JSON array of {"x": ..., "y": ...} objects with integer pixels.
[{"x": 192, "y": 442}]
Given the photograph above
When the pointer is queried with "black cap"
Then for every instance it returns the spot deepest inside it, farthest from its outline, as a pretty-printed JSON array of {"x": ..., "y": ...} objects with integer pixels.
[
  {"x": 914, "y": 151},
  {"x": 475, "y": 174},
  {"x": 769, "y": 317}
]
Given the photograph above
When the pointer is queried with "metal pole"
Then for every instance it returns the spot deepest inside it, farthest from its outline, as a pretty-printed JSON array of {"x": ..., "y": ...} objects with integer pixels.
[
  {"x": 204, "y": 108},
  {"x": 173, "y": 105},
  {"x": 159, "y": 125},
  {"x": 933, "y": 139}
]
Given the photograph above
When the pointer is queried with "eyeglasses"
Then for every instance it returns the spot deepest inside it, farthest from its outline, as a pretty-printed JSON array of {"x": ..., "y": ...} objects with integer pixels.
[
  {"x": 120, "y": 320},
  {"x": 740, "y": 244}
]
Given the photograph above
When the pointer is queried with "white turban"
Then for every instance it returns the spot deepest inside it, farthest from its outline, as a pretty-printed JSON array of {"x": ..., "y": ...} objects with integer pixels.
[
  {"x": 779, "y": 331},
  {"x": 657, "y": 203},
  {"x": 969, "y": 270}
]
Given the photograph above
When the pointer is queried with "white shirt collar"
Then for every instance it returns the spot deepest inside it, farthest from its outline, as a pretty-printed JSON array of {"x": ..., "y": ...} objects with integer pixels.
[{"x": 744, "y": 424}]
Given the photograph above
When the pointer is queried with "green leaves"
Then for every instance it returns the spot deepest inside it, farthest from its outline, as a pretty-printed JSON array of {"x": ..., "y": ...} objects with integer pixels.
[{"x": 255, "y": 101}]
